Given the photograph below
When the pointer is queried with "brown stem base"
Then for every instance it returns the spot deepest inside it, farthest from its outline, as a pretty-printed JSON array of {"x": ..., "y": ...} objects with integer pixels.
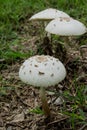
[{"x": 45, "y": 106}]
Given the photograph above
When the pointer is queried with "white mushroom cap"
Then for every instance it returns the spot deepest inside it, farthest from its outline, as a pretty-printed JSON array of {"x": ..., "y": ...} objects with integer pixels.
[
  {"x": 66, "y": 26},
  {"x": 42, "y": 71},
  {"x": 49, "y": 14}
]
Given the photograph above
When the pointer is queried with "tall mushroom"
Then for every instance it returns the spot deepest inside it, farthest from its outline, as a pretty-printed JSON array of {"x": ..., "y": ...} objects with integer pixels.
[{"x": 42, "y": 71}]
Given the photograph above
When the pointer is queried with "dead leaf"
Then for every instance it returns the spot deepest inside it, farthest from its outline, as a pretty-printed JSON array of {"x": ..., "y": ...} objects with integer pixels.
[
  {"x": 2, "y": 128},
  {"x": 18, "y": 118}
]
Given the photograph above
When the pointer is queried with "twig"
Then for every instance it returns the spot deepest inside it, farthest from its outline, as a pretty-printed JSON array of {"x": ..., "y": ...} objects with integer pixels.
[
  {"x": 57, "y": 121},
  {"x": 83, "y": 46},
  {"x": 84, "y": 126},
  {"x": 14, "y": 124}
]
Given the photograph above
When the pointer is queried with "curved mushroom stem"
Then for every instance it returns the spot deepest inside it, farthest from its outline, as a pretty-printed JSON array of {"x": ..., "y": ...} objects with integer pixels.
[
  {"x": 47, "y": 33},
  {"x": 45, "y": 106},
  {"x": 66, "y": 44}
]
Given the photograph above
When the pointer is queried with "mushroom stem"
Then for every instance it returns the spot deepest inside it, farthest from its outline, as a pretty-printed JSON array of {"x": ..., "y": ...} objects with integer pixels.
[
  {"x": 67, "y": 44},
  {"x": 45, "y": 106},
  {"x": 48, "y": 34},
  {"x": 67, "y": 47}
]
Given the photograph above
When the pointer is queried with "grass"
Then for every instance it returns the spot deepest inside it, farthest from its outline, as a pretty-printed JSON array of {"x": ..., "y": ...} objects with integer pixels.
[
  {"x": 78, "y": 104},
  {"x": 13, "y": 14},
  {"x": 36, "y": 110}
]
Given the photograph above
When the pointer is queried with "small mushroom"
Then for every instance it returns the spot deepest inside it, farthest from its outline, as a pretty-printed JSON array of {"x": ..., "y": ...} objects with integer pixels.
[
  {"x": 42, "y": 76},
  {"x": 66, "y": 26}
]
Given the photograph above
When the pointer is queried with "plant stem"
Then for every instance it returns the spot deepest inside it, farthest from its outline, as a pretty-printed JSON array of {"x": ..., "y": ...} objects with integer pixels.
[{"x": 45, "y": 106}]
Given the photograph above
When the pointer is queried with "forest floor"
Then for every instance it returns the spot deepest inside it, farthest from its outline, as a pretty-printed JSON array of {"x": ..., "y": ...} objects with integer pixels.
[{"x": 20, "y": 105}]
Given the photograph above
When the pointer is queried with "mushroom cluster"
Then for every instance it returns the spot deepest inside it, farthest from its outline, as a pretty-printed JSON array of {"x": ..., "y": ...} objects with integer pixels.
[
  {"x": 42, "y": 71},
  {"x": 60, "y": 23}
]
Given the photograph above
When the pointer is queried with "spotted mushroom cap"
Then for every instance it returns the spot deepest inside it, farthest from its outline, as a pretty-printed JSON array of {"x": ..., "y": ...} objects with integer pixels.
[
  {"x": 49, "y": 14},
  {"x": 42, "y": 71},
  {"x": 66, "y": 26}
]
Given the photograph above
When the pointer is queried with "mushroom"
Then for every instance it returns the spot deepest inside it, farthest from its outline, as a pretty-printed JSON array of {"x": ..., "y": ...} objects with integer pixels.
[
  {"x": 42, "y": 71},
  {"x": 49, "y": 14},
  {"x": 66, "y": 26}
]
